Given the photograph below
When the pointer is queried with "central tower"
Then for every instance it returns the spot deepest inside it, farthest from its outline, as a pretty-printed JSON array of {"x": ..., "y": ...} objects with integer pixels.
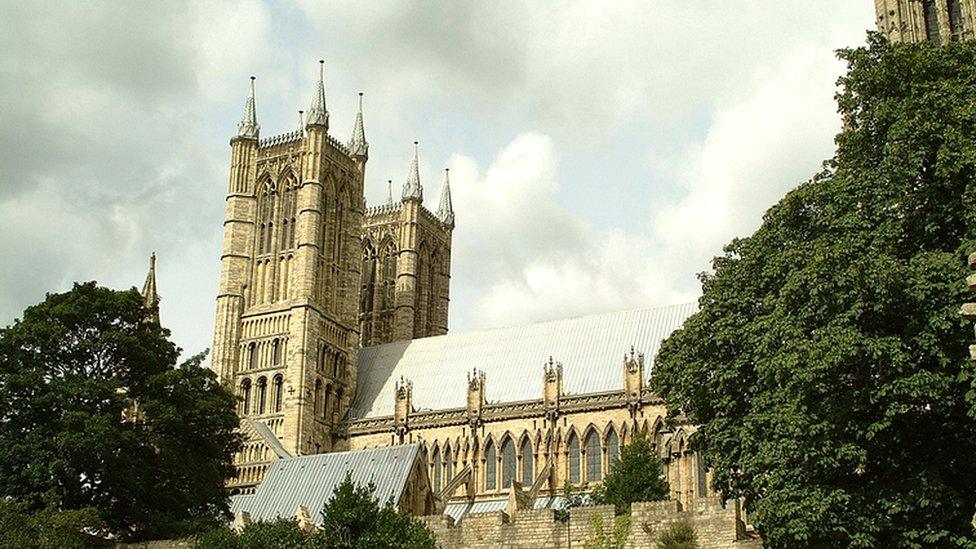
[
  {"x": 307, "y": 277},
  {"x": 286, "y": 330}
]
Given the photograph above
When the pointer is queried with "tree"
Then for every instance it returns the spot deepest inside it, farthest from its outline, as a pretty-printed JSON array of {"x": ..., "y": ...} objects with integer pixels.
[
  {"x": 69, "y": 371},
  {"x": 351, "y": 519},
  {"x": 827, "y": 365},
  {"x": 636, "y": 476}
]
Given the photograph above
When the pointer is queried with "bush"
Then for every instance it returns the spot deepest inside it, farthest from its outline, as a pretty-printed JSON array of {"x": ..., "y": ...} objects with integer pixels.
[
  {"x": 617, "y": 539},
  {"x": 678, "y": 535},
  {"x": 46, "y": 528}
]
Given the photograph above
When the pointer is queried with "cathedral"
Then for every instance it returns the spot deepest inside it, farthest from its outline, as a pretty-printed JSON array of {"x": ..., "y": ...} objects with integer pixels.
[{"x": 331, "y": 327}]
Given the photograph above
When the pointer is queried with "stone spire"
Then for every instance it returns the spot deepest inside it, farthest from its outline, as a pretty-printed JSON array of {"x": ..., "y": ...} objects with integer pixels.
[
  {"x": 248, "y": 127},
  {"x": 301, "y": 121},
  {"x": 318, "y": 115},
  {"x": 412, "y": 188},
  {"x": 150, "y": 298},
  {"x": 445, "y": 210},
  {"x": 357, "y": 143},
  {"x": 389, "y": 196}
]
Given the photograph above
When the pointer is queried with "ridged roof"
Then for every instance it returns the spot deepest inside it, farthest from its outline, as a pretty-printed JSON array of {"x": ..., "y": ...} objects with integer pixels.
[
  {"x": 591, "y": 349},
  {"x": 310, "y": 480}
]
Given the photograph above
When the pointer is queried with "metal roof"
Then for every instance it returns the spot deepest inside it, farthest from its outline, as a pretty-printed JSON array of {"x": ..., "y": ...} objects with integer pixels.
[
  {"x": 460, "y": 509},
  {"x": 591, "y": 349},
  {"x": 310, "y": 480}
]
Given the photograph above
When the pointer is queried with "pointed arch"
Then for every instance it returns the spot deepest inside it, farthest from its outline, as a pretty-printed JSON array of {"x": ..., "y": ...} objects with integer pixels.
[
  {"x": 509, "y": 461},
  {"x": 491, "y": 465},
  {"x": 245, "y": 396},
  {"x": 573, "y": 448},
  {"x": 367, "y": 292},
  {"x": 436, "y": 471},
  {"x": 448, "y": 462},
  {"x": 593, "y": 453},
  {"x": 612, "y": 444},
  {"x": 527, "y": 457}
]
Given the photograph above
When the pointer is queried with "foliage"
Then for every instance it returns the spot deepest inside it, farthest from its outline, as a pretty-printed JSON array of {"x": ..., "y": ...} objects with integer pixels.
[
  {"x": 678, "y": 535},
  {"x": 68, "y": 372},
  {"x": 827, "y": 365},
  {"x": 636, "y": 476},
  {"x": 615, "y": 539},
  {"x": 351, "y": 519},
  {"x": 571, "y": 499},
  {"x": 46, "y": 528}
]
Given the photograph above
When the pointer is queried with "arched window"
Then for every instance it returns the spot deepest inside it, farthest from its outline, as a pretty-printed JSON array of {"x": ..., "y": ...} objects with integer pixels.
[
  {"x": 265, "y": 218},
  {"x": 325, "y": 404},
  {"x": 337, "y": 358},
  {"x": 491, "y": 464},
  {"x": 246, "y": 396},
  {"x": 448, "y": 465},
  {"x": 323, "y": 358},
  {"x": 367, "y": 294},
  {"x": 594, "y": 467},
  {"x": 437, "y": 470},
  {"x": 388, "y": 282},
  {"x": 276, "y": 352},
  {"x": 317, "y": 399},
  {"x": 527, "y": 461},
  {"x": 431, "y": 292},
  {"x": 279, "y": 392},
  {"x": 573, "y": 449},
  {"x": 262, "y": 394},
  {"x": 613, "y": 450},
  {"x": 337, "y": 405},
  {"x": 421, "y": 297},
  {"x": 508, "y": 463},
  {"x": 930, "y": 13},
  {"x": 955, "y": 18},
  {"x": 288, "y": 220},
  {"x": 253, "y": 357}
]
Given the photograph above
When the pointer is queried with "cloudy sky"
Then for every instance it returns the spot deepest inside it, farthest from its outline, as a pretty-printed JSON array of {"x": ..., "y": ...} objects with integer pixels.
[{"x": 600, "y": 152}]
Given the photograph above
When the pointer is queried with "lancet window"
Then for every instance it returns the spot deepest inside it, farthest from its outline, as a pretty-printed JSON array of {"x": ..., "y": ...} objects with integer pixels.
[
  {"x": 573, "y": 449},
  {"x": 278, "y": 392},
  {"x": 491, "y": 467},
  {"x": 594, "y": 458},
  {"x": 508, "y": 463},
  {"x": 526, "y": 463}
]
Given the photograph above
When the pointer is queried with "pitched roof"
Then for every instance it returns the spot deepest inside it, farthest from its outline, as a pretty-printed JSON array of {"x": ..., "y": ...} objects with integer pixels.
[
  {"x": 591, "y": 349},
  {"x": 310, "y": 480},
  {"x": 269, "y": 438}
]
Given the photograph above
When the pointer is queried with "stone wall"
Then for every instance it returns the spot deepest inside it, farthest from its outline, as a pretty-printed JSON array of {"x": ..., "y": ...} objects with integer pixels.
[{"x": 716, "y": 526}]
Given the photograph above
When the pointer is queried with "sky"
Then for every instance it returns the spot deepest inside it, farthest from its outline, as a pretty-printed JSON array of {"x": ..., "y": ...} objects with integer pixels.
[{"x": 601, "y": 153}]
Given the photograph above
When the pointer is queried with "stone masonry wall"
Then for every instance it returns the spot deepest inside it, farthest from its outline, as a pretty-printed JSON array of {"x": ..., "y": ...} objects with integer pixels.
[{"x": 716, "y": 526}]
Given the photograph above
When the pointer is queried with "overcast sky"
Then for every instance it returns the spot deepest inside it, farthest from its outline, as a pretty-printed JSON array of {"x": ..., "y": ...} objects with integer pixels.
[{"x": 601, "y": 153}]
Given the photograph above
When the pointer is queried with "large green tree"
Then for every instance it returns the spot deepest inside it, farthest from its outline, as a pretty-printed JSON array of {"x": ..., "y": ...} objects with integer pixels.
[
  {"x": 827, "y": 365},
  {"x": 69, "y": 371}
]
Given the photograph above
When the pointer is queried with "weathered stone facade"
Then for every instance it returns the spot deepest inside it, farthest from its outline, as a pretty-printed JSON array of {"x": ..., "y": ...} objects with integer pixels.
[
  {"x": 937, "y": 21},
  {"x": 540, "y": 445},
  {"x": 291, "y": 301}
]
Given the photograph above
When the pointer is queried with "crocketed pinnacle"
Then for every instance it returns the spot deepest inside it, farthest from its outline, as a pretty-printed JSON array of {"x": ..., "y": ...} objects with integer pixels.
[
  {"x": 412, "y": 188},
  {"x": 318, "y": 115},
  {"x": 150, "y": 297},
  {"x": 389, "y": 196},
  {"x": 301, "y": 121},
  {"x": 248, "y": 126},
  {"x": 445, "y": 210},
  {"x": 357, "y": 143}
]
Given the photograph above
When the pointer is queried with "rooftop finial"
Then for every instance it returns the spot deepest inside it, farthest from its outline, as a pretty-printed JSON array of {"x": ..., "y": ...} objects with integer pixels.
[
  {"x": 445, "y": 210},
  {"x": 389, "y": 197},
  {"x": 357, "y": 143},
  {"x": 301, "y": 121},
  {"x": 248, "y": 126},
  {"x": 318, "y": 115},
  {"x": 412, "y": 189}
]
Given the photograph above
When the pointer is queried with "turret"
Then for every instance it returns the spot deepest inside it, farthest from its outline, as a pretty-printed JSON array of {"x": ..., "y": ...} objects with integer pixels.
[
  {"x": 236, "y": 255},
  {"x": 358, "y": 146},
  {"x": 476, "y": 396},
  {"x": 318, "y": 114},
  {"x": 445, "y": 210},
  {"x": 552, "y": 387},
  {"x": 407, "y": 263},
  {"x": 633, "y": 380},
  {"x": 403, "y": 406}
]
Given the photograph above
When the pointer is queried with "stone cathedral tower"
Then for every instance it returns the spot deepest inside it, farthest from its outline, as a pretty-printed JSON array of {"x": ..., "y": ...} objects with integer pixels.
[
  {"x": 293, "y": 298},
  {"x": 937, "y": 21}
]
